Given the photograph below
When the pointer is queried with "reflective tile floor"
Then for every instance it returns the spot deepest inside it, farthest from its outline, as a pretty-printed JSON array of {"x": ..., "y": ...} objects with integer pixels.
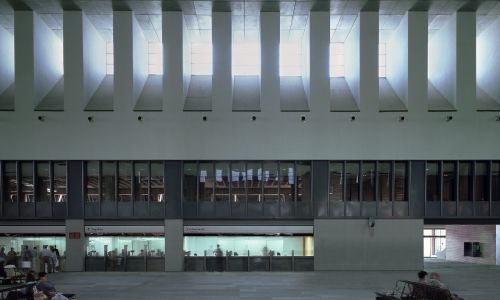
[{"x": 472, "y": 282}]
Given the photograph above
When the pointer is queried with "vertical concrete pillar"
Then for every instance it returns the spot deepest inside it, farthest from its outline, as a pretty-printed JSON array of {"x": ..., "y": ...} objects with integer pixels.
[
  {"x": 74, "y": 99},
  {"x": 368, "y": 60},
  {"x": 174, "y": 245},
  {"x": 222, "y": 76},
  {"x": 319, "y": 56},
  {"x": 6, "y": 66},
  {"x": 466, "y": 62},
  {"x": 177, "y": 60},
  {"x": 24, "y": 60},
  {"x": 75, "y": 245},
  {"x": 417, "y": 60},
  {"x": 269, "y": 57}
]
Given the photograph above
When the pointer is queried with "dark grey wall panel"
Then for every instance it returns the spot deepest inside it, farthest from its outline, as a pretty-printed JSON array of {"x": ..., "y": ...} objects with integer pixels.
[
  {"x": 75, "y": 189},
  {"x": 320, "y": 188},
  {"x": 417, "y": 189},
  {"x": 173, "y": 189}
]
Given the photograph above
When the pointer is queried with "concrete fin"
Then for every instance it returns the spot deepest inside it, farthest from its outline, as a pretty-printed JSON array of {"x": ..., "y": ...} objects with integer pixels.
[
  {"x": 486, "y": 102},
  {"x": 7, "y": 98},
  {"x": 152, "y": 94},
  {"x": 389, "y": 100},
  {"x": 54, "y": 100},
  {"x": 199, "y": 97},
  {"x": 437, "y": 102},
  {"x": 102, "y": 99},
  {"x": 246, "y": 93},
  {"x": 341, "y": 97},
  {"x": 292, "y": 94}
]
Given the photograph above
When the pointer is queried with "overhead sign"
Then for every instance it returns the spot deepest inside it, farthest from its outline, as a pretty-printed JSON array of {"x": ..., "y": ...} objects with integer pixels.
[
  {"x": 32, "y": 229},
  {"x": 100, "y": 230},
  {"x": 195, "y": 229}
]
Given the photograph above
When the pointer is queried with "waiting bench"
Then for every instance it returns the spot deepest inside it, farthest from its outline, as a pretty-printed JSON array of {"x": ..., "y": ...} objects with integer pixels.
[{"x": 409, "y": 290}]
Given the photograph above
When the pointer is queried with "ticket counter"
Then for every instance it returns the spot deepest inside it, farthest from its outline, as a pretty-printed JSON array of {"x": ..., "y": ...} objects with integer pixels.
[
  {"x": 125, "y": 248},
  {"x": 248, "y": 248}
]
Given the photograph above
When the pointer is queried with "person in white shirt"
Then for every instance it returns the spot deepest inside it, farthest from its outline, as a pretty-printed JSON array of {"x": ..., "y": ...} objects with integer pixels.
[{"x": 46, "y": 257}]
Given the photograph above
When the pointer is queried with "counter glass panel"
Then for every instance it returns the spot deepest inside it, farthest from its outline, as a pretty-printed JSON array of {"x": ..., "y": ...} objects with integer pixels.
[
  {"x": 33, "y": 241},
  {"x": 249, "y": 245},
  {"x": 135, "y": 245}
]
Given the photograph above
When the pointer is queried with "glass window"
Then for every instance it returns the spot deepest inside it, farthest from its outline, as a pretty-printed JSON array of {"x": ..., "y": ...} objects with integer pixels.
[
  {"x": 384, "y": 172},
  {"x": 206, "y": 181},
  {"x": 92, "y": 180},
  {"x": 433, "y": 182},
  {"x": 17, "y": 242},
  {"x": 434, "y": 242},
  {"x": 136, "y": 246},
  {"x": 270, "y": 178},
  {"x": 287, "y": 181},
  {"x": 495, "y": 181},
  {"x": 482, "y": 186},
  {"x": 108, "y": 180},
  {"x": 125, "y": 181},
  {"x": 222, "y": 181},
  {"x": 465, "y": 181},
  {"x": 336, "y": 181},
  {"x": 27, "y": 182},
  {"x": 254, "y": 181},
  {"x": 238, "y": 192},
  {"x": 304, "y": 175},
  {"x": 249, "y": 245},
  {"x": 352, "y": 181},
  {"x": 368, "y": 175},
  {"x": 401, "y": 181},
  {"x": 449, "y": 181},
  {"x": 60, "y": 185},
  {"x": 157, "y": 182},
  {"x": 141, "y": 181},
  {"x": 189, "y": 181},
  {"x": 10, "y": 182},
  {"x": 43, "y": 181}
]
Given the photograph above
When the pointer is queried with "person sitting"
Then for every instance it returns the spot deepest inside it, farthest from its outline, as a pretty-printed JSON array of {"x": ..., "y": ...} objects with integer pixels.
[
  {"x": 422, "y": 277},
  {"x": 48, "y": 288},
  {"x": 436, "y": 282}
]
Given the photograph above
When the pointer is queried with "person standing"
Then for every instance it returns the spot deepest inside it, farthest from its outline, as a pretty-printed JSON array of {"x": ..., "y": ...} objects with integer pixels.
[
  {"x": 46, "y": 260},
  {"x": 219, "y": 260},
  {"x": 12, "y": 257},
  {"x": 26, "y": 258}
]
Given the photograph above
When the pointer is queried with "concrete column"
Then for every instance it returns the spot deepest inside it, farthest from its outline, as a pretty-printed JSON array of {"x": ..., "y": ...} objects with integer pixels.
[
  {"x": 174, "y": 245},
  {"x": 6, "y": 64},
  {"x": 368, "y": 59},
  {"x": 269, "y": 58},
  {"x": 130, "y": 60},
  {"x": 319, "y": 56},
  {"x": 466, "y": 62},
  {"x": 222, "y": 76},
  {"x": 75, "y": 245},
  {"x": 24, "y": 59},
  {"x": 417, "y": 61},
  {"x": 84, "y": 60},
  {"x": 177, "y": 60},
  {"x": 353, "y": 245}
]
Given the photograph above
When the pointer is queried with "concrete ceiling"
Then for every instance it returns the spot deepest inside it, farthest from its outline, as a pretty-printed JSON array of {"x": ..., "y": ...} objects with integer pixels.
[{"x": 294, "y": 14}]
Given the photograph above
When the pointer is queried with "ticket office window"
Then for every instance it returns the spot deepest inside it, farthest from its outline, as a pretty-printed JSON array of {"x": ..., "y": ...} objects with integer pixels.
[
  {"x": 249, "y": 245},
  {"x": 18, "y": 242},
  {"x": 136, "y": 246}
]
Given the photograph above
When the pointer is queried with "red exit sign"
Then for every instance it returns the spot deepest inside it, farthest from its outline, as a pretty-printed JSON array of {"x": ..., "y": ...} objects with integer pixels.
[{"x": 74, "y": 235}]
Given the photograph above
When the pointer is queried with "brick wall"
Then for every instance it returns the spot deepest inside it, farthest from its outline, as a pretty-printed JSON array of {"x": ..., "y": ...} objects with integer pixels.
[{"x": 456, "y": 235}]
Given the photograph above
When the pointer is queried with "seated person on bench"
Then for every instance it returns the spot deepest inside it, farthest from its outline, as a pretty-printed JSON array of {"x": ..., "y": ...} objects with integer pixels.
[{"x": 48, "y": 287}]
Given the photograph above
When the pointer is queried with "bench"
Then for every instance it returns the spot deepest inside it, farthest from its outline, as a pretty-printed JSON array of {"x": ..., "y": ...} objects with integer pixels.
[
  {"x": 16, "y": 292},
  {"x": 409, "y": 290}
]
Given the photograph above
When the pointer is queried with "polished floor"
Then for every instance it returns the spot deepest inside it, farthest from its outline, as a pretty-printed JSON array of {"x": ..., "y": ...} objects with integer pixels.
[{"x": 472, "y": 282}]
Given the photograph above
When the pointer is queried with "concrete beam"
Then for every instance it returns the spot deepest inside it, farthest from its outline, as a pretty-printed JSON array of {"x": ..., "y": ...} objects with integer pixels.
[
  {"x": 319, "y": 57},
  {"x": 222, "y": 59},
  {"x": 177, "y": 56},
  {"x": 269, "y": 59}
]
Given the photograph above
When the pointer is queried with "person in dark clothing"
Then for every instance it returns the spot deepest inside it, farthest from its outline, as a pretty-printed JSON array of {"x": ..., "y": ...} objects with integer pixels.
[{"x": 48, "y": 287}]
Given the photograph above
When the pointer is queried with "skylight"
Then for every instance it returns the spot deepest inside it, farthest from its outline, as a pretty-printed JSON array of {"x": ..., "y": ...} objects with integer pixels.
[{"x": 291, "y": 58}]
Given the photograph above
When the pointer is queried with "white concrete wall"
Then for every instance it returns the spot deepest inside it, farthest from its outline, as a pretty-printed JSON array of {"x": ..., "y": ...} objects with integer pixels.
[
  {"x": 488, "y": 60},
  {"x": 352, "y": 245},
  {"x": 498, "y": 244},
  {"x": 6, "y": 59}
]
